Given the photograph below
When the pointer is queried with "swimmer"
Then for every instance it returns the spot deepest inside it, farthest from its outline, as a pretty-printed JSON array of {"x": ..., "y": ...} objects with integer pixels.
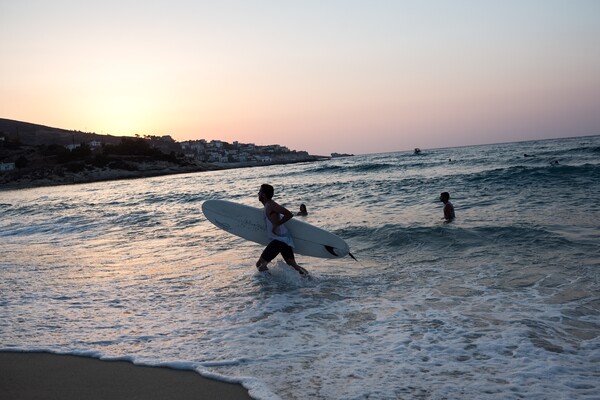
[
  {"x": 448, "y": 207},
  {"x": 303, "y": 212}
]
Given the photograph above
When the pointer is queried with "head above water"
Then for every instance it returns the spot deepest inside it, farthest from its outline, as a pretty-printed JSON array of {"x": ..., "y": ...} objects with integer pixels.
[{"x": 445, "y": 196}]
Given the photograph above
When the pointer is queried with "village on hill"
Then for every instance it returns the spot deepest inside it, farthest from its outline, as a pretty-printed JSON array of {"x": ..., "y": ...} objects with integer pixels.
[{"x": 37, "y": 155}]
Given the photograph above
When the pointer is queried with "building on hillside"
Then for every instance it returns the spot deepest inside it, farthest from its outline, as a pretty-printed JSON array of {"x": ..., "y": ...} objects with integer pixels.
[{"x": 73, "y": 146}]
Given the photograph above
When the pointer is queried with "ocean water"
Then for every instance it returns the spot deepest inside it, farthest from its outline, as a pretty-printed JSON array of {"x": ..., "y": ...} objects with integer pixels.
[{"x": 504, "y": 302}]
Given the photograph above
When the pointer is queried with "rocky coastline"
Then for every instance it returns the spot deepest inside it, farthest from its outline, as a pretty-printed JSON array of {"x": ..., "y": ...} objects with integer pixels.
[{"x": 55, "y": 176}]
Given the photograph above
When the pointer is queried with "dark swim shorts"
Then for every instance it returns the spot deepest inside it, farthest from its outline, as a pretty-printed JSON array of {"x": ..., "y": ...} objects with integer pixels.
[{"x": 276, "y": 247}]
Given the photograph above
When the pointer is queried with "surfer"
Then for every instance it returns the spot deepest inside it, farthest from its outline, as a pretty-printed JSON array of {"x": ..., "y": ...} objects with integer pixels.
[
  {"x": 303, "y": 212},
  {"x": 448, "y": 207},
  {"x": 281, "y": 241}
]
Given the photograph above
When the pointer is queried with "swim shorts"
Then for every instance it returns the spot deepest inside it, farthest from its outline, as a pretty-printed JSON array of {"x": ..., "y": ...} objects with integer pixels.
[{"x": 276, "y": 247}]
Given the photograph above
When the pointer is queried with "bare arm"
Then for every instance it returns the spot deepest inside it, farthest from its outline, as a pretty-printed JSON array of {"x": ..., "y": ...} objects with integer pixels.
[{"x": 274, "y": 212}]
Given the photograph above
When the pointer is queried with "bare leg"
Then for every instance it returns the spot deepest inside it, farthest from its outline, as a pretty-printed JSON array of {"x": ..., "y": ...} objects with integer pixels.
[
  {"x": 262, "y": 265},
  {"x": 292, "y": 263}
]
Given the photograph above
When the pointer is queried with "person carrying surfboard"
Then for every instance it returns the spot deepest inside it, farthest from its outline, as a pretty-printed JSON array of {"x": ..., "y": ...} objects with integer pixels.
[{"x": 281, "y": 241}]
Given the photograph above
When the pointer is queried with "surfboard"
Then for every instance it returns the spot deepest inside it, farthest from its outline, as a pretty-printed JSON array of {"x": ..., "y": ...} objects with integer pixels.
[{"x": 248, "y": 222}]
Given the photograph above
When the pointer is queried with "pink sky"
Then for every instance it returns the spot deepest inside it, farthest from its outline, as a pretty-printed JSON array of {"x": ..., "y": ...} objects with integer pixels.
[{"x": 337, "y": 76}]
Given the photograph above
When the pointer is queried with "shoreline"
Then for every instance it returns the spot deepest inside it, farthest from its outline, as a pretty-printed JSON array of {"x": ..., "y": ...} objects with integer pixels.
[
  {"x": 35, "y": 375},
  {"x": 149, "y": 170},
  {"x": 95, "y": 176}
]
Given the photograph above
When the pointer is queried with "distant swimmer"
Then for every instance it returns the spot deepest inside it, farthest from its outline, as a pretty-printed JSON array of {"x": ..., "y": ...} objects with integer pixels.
[
  {"x": 448, "y": 207},
  {"x": 528, "y": 155},
  {"x": 281, "y": 240},
  {"x": 303, "y": 212},
  {"x": 555, "y": 162}
]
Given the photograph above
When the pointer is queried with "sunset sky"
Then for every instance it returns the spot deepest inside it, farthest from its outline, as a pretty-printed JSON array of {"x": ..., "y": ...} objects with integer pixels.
[{"x": 322, "y": 76}]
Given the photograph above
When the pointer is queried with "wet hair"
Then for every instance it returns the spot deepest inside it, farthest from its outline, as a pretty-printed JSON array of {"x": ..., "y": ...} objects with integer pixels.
[
  {"x": 267, "y": 190},
  {"x": 445, "y": 195}
]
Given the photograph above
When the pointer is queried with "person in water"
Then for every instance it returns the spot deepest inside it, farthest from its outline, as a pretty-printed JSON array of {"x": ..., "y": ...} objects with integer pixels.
[
  {"x": 303, "y": 212},
  {"x": 448, "y": 207},
  {"x": 281, "y": 241}
]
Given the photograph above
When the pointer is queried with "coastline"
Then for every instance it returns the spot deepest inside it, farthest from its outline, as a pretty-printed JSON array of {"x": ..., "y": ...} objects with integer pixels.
[
  {"x": 54, "y": 376},
  {"x": 143, "y": 170},
  {"x": 96, "y": 175}
]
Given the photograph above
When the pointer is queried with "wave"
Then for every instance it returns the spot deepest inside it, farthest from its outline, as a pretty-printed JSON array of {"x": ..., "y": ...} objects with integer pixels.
[
  {"x": 356, "y": 168},
  {"x": 536, "y": 173},
  {"x": 52, "y": 228},
  {"x": 395, "y": 236},
  {"x": 172, "y": 198},
  {"x": 563, "y": 149},
  {"x": 97, "y": 224},
  {"x": 581, "y": 150}
]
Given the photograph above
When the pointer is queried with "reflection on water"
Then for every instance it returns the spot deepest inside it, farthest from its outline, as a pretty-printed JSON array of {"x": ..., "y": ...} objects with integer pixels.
[{"x": 502, "y": 302}]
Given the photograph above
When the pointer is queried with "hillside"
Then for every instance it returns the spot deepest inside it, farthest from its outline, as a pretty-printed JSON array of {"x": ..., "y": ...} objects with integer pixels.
[
  {"x": 36, "y": 135},
  {"x": 34, "y": 155}
]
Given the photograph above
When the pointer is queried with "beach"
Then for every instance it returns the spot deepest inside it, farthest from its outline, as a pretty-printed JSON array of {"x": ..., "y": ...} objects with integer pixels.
[
  {"x": 50, "y": 376},
  {"x": 500, "y": 303}
]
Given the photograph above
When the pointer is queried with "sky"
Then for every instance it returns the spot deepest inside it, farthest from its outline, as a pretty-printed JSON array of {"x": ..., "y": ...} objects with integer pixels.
[{"x": 322, "y": 76}]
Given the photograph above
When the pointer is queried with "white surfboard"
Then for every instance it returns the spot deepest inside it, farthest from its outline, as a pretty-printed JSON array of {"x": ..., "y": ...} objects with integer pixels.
[{"x": 249, "y": 223}]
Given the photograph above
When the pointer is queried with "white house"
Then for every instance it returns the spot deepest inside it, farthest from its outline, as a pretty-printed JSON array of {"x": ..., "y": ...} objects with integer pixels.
[{"x": 72, "y": 146}]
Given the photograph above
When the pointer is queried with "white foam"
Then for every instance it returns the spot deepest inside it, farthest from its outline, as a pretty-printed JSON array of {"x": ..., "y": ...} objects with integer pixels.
[{"x": 495, "y": 305}]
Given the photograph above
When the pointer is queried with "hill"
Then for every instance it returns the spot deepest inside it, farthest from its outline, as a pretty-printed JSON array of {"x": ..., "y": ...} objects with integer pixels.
[
  {"x": 36, "y": 135},
  {"x": 34, "y": 155},
  {"x": 38, "y": 155}
]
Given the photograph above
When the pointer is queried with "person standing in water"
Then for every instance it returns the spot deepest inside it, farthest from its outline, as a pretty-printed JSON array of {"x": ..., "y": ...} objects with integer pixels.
[
  {"x": 281, "y": 241},
  {"x": 448, "y": 207}
]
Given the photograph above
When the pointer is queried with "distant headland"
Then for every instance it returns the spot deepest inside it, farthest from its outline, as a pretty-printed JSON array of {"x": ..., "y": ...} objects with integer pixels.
[
  {"x": 338, "y": 155},
  {"x": 33, "y": 155}
]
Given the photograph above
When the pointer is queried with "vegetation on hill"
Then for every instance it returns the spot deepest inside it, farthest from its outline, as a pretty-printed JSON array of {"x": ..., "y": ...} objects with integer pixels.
[{"x": 43, "y": 155}]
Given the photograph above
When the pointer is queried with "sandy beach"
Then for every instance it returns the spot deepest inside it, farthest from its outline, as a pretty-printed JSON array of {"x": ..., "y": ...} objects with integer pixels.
[{"x": 50, "y": 376}]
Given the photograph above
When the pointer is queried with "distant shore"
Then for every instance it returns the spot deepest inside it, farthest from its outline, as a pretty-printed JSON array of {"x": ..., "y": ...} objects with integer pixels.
[
  {"x": 33, "y": 155},
  {"x": 50, "y": 376},
  {"x": 16, "y": 180},
  {"x": 27, "y": 181}
]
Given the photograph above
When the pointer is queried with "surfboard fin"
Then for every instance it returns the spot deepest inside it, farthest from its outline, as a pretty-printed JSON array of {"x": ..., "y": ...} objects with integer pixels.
[{"x": 330, "y": 250}]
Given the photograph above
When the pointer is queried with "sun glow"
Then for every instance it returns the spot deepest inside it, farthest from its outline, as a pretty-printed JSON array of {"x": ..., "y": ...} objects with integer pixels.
[{"x": 320, "y": 78}]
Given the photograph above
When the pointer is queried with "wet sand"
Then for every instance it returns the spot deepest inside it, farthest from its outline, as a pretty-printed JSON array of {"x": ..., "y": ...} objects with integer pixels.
[{"x": 50, "y": 376}]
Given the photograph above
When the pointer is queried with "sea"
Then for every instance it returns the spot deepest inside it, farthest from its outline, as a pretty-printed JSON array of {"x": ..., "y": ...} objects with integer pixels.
[{"x": 501, "y": 303}]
